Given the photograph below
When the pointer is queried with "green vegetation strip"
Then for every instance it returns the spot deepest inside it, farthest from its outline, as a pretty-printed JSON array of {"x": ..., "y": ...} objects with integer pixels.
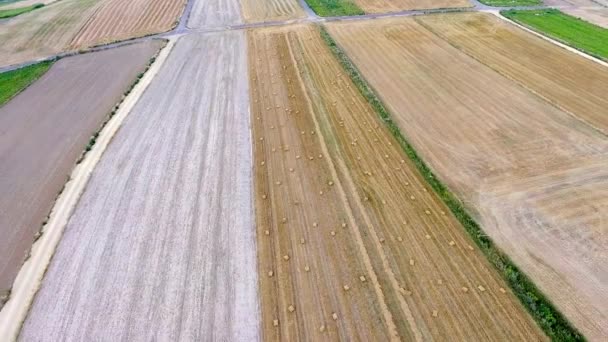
[
  {"x": 567, "y": 29},
  {"x": 334, "y": 8},
  {"x": 15, "y": 81},
  {"x": 546, "y": 315},
  {"x": 9, "y": 13},
  {"x": 511, "y": 3}
]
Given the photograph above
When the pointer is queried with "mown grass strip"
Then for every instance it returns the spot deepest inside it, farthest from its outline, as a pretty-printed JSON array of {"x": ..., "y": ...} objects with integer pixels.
[
  {"x": 9, "y": 13},
  {"x": 553, "y": 323},
  {"x": 334, "y": 8},
  {"x": 565, "y": 28},
  {"x": 15, "y": 81},
  {"x": 511, "y": 3}
]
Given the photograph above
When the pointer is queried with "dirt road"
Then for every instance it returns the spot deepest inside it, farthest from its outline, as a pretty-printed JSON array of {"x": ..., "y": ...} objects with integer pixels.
[
  {"x": 352, "y": 246},
  {"x": 44, "y": 130},
  {"x": 162, "y": 244},
  {"x": 533, "y": 175}
]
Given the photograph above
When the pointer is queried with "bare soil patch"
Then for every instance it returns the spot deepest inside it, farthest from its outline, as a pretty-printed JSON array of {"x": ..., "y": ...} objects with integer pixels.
[
  {"x": 351, "y": 244},
  {"x": 533, "y": 175},
  {"x": 43, "y": 131}
]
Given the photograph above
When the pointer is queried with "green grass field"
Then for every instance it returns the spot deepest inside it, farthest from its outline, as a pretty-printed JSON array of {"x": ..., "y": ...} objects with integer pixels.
[
  {"x": 13, "y": 82},
  {"x": 17, "y": 11},
  {"x": 511, "y": 3},
  {"x": 334, "y": 8},
  {"x": 567, "y": 29}
]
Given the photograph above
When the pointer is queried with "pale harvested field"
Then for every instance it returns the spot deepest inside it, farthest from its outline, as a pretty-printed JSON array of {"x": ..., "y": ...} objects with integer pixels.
[
  {"x": 44, "y": 130},
  {"x": 215, "y": 13},
  {"x": 119, "y": 19},
  {"x": 161, "y": 245},
  {"x": 383, "y": 6},
  {"x": 351, "y": 245},
  {"x": 593, "y": 11},
  {"x": 535, "y": 177},
  {"x": 269, "y": 10},
  {"x": 573, "y": 83},
  {"x": 43, "y": 32}
]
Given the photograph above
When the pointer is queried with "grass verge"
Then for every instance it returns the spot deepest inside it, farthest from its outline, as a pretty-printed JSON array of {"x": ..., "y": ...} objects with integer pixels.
[
  {"x": 334, "y": 8},
  {"x": 15, "y": 81},
  {"x": 553, "y": 323},
  {"x": 9, "y": 13},
  {"x": 511, "y": 3},
  {"x": 567, "y": 29}
]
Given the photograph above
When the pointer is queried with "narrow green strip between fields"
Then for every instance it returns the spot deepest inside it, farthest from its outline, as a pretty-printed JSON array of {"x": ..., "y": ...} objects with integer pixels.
[
  {"x": 15, "y": 81},
  {"x": 553, "y": 323},
  {"x": 567, "y": 29},
  {"x": 334, "y": 8},
  {"x": 9, "y": 13},
  {"x": 511, "y": 3}
]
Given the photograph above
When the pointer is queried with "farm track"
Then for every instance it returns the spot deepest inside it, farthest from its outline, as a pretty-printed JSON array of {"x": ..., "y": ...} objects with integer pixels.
[
  {"x": 37, "y": 152},
  {"x": 539, "y": 197},
  {"x": 330, "y": 189},
  {"x": 161, "y": 245}
]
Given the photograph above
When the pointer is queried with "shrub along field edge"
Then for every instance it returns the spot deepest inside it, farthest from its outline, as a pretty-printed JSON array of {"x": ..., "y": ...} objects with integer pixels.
[
  {"x": 511, "y": 3},
  {"x": 553, "y": 323},
  {"x": 9, "y": 13},
  {"x": 572, "y": 31},
  {"x": 15, "y": 81}
]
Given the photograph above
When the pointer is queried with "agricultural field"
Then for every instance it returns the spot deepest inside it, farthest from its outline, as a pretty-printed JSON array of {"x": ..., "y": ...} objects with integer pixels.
[
  {"x": 43, "y": 32},
  {"x": 593, "y": 11},
  {"x": 383, "y": 6},
  {"x": 13, "y": 82},
  {"x": 215, "y": 13},
  {"x": 43, "y": 132},
  {"x": 117, "y": 20},
  {"x": 161, "y": 245},
  {"x": 351, "y": 244},
  {"x": 538, "y": 196},
  {"x": 574, "y": 84},
  {"x": 270, "y": 10},
  {"x": 567, "y": 29}
]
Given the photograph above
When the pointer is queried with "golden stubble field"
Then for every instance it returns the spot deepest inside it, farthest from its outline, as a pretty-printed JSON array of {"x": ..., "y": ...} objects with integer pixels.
[
  {"x": 383, "y": 6},
  {"x": 351, "y": 245},
  {"x": 535, "y": 176}
]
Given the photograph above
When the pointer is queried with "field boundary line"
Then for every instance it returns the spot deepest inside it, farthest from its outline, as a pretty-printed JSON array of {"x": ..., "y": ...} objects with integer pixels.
[
  {"x": 542, "y": 310},
  {"x": 32, "y": 272},
  {"x": 549, "y": 39}
]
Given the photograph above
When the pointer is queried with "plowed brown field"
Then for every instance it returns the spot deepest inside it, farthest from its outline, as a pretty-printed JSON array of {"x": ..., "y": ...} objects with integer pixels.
[
  {"x": 570, "y": 82},
  {"x": 535, "y": 176},
  {"x": 383, "y": 6},
  {"x": 351, "y": 245},
  {"x": 118, "y": 19},
  {"x": 268, "y": 10},
  {"x": 43, "y": 32}
]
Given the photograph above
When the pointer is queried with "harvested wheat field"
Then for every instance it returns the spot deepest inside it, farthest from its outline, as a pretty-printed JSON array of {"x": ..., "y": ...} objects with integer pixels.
[
  {"x": 351, "y": 245},
  {"x": 161, "y": 245},
  {"x": 117, "y": 20},
  {"x": 270, "y": 10},
  {"x": 534, "y": 176},
  {"x": 215, "y": 13},
  {"x": 570, "y": 82},
  {"x": 383, "y": 6},
  {"x": 43, "y": 32},
  {"x": 43, "y": 132}
]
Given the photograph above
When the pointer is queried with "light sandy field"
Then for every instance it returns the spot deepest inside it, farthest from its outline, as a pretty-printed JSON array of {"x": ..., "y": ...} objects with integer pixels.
[
  {"x": 572, "y": 83},
  {"x": 383, "y": 6},
  {"x": 593, "y": 11},
  {"x": 351, "y": 246},
  {"x": 44, "y": 130},
  {"x": 43, "y": 32},
  {"x": 118, "y": 20},
  {"x": 269, "y": 10},
  {"x": 534, "y": 176},
  {"x": 161, "y": 245},
  {"x": 215, "y": 13}
]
